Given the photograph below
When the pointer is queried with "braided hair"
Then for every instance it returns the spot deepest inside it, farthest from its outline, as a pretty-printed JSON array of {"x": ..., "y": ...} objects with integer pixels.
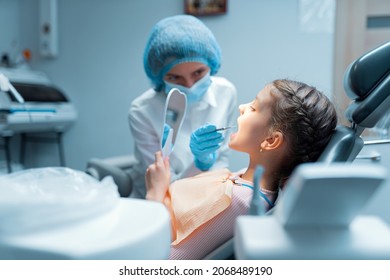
[{"x": 306, "y": 117}]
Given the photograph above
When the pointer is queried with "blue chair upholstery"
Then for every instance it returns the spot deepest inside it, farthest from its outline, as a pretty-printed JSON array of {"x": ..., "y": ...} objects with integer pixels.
[{"x": 367, "y": 84}]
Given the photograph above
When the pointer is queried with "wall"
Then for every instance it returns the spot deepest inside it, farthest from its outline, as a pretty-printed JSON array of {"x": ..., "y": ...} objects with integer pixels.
[
  {"x": 99, "y": 65},
  {"x": 9, "y": 27}
]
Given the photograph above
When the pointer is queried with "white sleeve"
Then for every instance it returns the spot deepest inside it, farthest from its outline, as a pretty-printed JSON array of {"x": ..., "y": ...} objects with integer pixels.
[{"x": 146, "y": 142}]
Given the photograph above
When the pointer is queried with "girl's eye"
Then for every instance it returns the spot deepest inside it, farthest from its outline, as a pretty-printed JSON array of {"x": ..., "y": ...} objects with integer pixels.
[{"x": 252, "y": 106}]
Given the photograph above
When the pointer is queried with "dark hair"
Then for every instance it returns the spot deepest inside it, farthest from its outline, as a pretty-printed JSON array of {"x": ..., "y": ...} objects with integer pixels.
[{"x": 307, "y": 119}]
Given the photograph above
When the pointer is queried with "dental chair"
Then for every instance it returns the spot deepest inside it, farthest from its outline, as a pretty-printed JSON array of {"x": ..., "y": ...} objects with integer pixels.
[
  {"x": 366, "y": 83},
  {"x": 317, "y": 216}
]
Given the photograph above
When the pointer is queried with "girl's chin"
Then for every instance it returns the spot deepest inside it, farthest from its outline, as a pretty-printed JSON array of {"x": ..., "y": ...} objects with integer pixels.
[{"x": 231, "y": 141}]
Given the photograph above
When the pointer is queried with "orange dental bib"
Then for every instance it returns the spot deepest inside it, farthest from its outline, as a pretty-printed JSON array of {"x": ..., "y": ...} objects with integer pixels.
[{"x": 196, "y": 200}]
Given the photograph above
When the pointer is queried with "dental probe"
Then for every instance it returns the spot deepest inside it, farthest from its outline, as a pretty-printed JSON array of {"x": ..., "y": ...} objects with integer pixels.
[{"x": 224, "y": 128}]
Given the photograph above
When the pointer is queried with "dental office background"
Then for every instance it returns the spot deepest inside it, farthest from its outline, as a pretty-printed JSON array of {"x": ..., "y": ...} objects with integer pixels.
[{"x": 99, "y": 63}]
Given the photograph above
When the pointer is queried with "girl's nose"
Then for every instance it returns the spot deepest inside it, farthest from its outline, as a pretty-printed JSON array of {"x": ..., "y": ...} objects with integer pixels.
[{"x": 241, "y": 108}]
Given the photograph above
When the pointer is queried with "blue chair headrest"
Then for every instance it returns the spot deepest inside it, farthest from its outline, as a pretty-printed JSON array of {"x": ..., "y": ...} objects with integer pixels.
[
  {"x": 367, "y": 82},
  {"x": 367, "y": 72}
]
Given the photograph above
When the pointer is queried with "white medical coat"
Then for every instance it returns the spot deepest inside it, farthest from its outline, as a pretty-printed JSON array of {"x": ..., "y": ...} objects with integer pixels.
[{"x": 146, "y": 119}]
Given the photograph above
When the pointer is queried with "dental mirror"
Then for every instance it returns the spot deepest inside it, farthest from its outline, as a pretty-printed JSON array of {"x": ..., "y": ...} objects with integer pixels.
[{"x": 174, "y": 113}]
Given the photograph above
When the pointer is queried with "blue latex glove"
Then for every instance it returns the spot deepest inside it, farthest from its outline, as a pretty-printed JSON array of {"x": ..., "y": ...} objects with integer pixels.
[
  {"x": 204, "y": 143},
  {"x": 165, "y": 134}
]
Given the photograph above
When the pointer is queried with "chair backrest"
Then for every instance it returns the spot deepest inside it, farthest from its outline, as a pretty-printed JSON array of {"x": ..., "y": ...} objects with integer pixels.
[
  {"x": 343, "y": 146},
  {"x": 367, "y": 83}
]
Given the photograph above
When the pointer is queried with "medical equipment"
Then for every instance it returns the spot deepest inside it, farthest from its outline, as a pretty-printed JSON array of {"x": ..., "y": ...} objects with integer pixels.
[
  {"x": 30, "y": 103},
  {"x": 225, "y": 128},
  {"x": 27, "y": 196},
  {"x": 317, "y": 217},
  {"x": 87, "y": 219},
  {"x": 5, "y": 85},
  {"x": 174, "y": 114},
  {"x": 43, "y": 107}
]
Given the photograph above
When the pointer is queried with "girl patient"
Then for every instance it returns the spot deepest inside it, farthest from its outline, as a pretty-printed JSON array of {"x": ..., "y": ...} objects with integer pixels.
[{"x": 288, "y": 123}]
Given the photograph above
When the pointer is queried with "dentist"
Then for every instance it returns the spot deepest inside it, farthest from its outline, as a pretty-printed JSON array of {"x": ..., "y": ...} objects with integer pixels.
[{"x": 182, "y": 53}]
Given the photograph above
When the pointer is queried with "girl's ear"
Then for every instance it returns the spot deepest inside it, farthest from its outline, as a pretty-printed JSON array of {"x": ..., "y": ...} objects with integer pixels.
[{"x": 274, "y": 141}]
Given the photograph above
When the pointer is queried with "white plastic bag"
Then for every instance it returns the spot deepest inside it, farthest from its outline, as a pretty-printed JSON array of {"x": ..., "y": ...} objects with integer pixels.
[{"x": 46, "y": 198}]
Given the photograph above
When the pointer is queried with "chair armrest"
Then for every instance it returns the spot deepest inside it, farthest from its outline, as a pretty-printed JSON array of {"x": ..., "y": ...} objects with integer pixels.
[
  {"x": 122, "y": 162},
  {"x": 120, "y": 168}
]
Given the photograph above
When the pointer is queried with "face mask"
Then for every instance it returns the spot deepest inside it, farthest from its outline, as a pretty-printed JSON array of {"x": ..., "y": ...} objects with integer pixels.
[{"x": 196, "y": 92}]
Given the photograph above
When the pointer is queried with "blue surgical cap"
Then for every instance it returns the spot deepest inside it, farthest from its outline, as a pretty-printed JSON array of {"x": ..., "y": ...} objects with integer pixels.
[{"x": 179, "y": 39}]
